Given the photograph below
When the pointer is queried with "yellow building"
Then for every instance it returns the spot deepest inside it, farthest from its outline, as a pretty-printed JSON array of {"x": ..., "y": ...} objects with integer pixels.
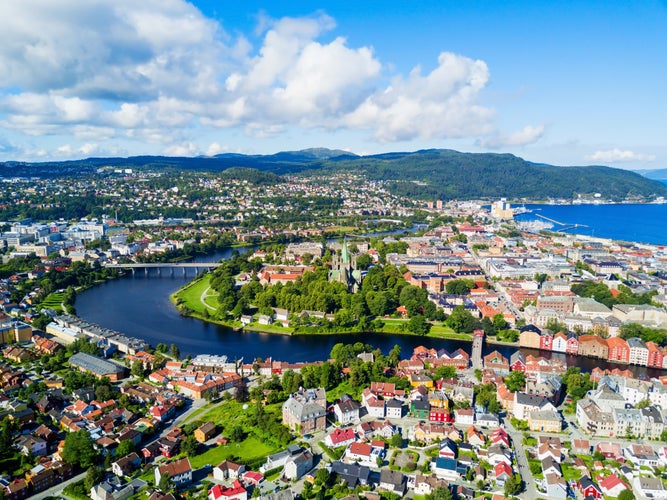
[{"x": 544, "y": 421}]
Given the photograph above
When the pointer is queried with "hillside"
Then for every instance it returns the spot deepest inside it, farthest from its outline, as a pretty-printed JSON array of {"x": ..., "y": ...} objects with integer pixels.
[{"x": 428, "y": 174}]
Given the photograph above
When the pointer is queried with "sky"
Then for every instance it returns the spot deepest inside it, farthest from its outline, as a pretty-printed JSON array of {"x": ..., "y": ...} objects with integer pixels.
[{"x": 565, "y": 83}]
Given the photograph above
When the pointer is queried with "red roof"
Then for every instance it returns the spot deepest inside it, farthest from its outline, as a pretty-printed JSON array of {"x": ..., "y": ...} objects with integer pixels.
[{"x": 340, "y": 435}]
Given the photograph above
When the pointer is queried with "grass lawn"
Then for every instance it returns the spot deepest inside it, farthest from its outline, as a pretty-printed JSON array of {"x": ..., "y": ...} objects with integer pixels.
[
  {"x": 53, "y": 301},
  {"x": 570, "y": 473},
  {"x": 248, "y": 449},
  {"x": 190, "y": 295}
]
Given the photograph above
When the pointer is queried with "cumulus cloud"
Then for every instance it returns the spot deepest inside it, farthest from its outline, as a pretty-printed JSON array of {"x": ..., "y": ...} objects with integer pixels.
[
  {"x": 528, "y": 135},
  {"x": 159, "y": 71},
  {"x": 618, "y": 155}
]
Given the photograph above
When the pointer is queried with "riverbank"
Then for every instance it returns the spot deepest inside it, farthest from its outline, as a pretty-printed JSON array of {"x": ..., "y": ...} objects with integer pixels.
[{"x": 193, "y": 300}]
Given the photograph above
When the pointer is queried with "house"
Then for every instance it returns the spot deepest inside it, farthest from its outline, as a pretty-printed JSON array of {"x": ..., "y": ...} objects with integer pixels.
[
  {"x": 252, "y": 477},
  {"x": 612, "y": 485},
  {"x": 394, "y": 408},
  {"x": 641, "y": 455},
  {"x": 502, "y": 472},
  {"x": 346, "y": 410},
  {"x": 340, "y": 437},
  {"x": 497, "y": 363},
  {"x": 297, "y": 465},
  {"x": 588, "y": 488},
  {"x": 280, "y": 459},
  {"x": 445, "y": 468},
  {"x": 31, "y": 445},
  {"x": 205, "y": 432},
  {"x": 351, "y": 474},
  {"x": 392, "y": 481},
  {"x": 464, "y": 416},
  {"x": 611, "y": 451},
  {"x": 17, "y": 490},
  {"x": 180, "y": 472},
  {"x": 487, "y": 420},
  {"x": 108, "y": 490},
  {"x": 500, "y": 436},
  {"x": 235, "y": 492},
  {"x": 360, "y": 453},
  {"x": 581, "y": 447},
  {"x": 420, "y": 408},
  {"x": 593, "y": 347},
  {"x": 526, "y": 403},
  {"x": 556, "y": 486},
  {"x": 448, "y": 448},
  {"x": 544, "y": 421},
  {"x": 649, "y": 487},
  {"x": 228, "y": 470},
  {"x": 305, "y": 411},
  {"x": 424, "y": 485},
  {"x": 475, "y": 437},
  {"x": 518, "y": 361},
  {"x": 551, "y": 466},
  {"x": 126, "y": 465}
]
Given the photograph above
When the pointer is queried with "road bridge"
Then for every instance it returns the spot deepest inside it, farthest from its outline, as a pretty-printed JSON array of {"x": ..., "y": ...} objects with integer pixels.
[{"x": 134, "y": 266}]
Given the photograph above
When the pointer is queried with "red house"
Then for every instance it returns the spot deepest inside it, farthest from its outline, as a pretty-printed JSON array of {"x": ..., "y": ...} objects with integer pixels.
[
  {"x": 655, "y": 355},
  {"x": 439, "y": 415},
  {"x": 572, "y": 344},
  {"x": 518, "y": 362},
  {"x": 618, "y": 350},
  {"x": 588, "y": 488},
  {"x": 546, "y": 340}
]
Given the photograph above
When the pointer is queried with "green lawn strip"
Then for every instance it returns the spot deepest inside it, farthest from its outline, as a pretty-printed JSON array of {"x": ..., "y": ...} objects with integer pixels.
[
  {"x": 190, "y": 295},
  {"x": 249, "y": 449},
  {"x": 53, "y": 301},
  {"x": 570, "y": 473}
]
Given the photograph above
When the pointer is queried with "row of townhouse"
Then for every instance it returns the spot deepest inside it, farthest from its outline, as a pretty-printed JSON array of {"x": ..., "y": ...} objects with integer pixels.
[{"x": 632, "y": 351}]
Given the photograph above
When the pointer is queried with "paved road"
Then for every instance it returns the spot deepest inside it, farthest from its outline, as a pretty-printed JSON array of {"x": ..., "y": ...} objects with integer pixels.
[{"x": 530, "y": 492}]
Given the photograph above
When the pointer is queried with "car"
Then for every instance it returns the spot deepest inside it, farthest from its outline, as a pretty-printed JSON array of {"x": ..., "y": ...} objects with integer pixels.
[{"x": 307, "y": 436}]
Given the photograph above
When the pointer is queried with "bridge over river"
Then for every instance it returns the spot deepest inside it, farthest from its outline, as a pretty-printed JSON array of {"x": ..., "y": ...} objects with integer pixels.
[{"x": 197, "y": 266}]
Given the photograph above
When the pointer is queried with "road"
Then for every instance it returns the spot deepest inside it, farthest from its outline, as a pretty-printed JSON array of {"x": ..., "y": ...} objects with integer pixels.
[{"x": 530, "y": 491}]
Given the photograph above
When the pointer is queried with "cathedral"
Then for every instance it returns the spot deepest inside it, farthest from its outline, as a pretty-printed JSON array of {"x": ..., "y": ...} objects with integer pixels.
[{"x": 344, "y": 269}]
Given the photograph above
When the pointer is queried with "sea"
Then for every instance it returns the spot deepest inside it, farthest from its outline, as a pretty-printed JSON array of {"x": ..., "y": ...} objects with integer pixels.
[{"x": 642, "y": 223}]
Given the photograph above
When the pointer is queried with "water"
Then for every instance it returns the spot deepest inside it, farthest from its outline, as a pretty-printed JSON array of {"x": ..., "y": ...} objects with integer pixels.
[
  {"x": 139, "y": 305},
  {"x": 628, "y": 222}
]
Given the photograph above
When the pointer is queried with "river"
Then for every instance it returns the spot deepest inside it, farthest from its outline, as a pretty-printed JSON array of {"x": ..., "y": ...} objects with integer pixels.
[{"x": 138, "y": 305}]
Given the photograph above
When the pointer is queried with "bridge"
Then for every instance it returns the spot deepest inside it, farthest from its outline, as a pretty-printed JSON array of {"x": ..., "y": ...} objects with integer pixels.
[
  {"x": 566, "y": 226},
  {"x": 165, "y": 265}
]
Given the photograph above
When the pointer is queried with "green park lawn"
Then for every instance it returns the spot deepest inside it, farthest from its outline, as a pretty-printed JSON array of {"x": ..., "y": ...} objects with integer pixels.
[
  {"x": 248, "y": 449},
  {"x": 53, "y": 301},
  {"x": 190, "y": 296}
]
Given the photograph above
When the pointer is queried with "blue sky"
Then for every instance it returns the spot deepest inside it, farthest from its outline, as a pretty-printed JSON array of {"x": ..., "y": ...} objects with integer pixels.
[{"x": 567, "y": 83}]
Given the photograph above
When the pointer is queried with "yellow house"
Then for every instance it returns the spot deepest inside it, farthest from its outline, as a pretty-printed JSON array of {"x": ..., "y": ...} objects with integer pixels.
[
  {"x": 438, "y": 399},
  {"x": 417, "y": 379},
  {"x": 544, "y": 421}
]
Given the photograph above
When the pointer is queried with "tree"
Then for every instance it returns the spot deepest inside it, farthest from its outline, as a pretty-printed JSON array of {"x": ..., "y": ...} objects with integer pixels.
[
  {"x": 190, "y": 446},
  {"x": 444, "y": 372},
  {"x": 644, "y": 403},
  {"x": 461, "y": 320},
  {"x": 322, "y": 477},
  {"x": 124, "y": 448},
  {"x": 440, "y": 493},
  {"x": 516, "y": 381},
  {"x": 137, "y": 369},
  {"x": 499, "y": 322},
  {"x": 237, "y": 434},
  {"x": 93, "y": 476},
  {"x": 513, "y": 485},
  {"x": 418, "y": 325},
  {"x": 626, "y": 495},
  {"x": 174, "y": 351},
  {"x": 78, "y": 449},
  {"x": 396, "y": 440},
  {"x": 165, "y": 483}
]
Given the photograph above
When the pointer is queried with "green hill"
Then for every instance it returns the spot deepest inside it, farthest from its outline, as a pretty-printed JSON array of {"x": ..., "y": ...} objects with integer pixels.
[{"x": 428, "y": 174}]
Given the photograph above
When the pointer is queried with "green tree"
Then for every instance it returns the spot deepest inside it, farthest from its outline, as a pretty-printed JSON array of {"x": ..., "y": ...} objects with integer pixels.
[
  {"x": 237, "y": 434},
  {"x": 513, "y": 485},
  {"x": 190, "y": 446},
  {"x": 137, "y": 369},
  {"x": 626, "y": 495},
  {"x": 396, "y": 440},
  {"x": 440, "y": 493},
  {"x": 93, "y": 476},
  {"x": 461, "y": 320},
  {"x": 78, "y": 449},
  {"x": 174, "y": 351},
  {"x": 418, "y": 325},
  {"x": 165, "y": 483},
  {"x": 516, "y": 381},
  {"x": 124, "y": 448}
]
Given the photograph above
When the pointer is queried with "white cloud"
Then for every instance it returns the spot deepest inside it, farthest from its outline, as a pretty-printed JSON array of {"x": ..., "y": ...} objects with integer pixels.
[
  {"x": 216, "y": 148},
  {"x": 185, "y": 149},
  {"x": 160, "y": 72},
  {"x": 528, "y": 135},
  {"x": 618, "y": 155},
  {"x": 440, "y": 104}
]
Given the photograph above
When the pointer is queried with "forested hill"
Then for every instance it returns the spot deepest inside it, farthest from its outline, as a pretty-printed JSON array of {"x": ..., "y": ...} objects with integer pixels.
[{"x": 428, "y": 174}]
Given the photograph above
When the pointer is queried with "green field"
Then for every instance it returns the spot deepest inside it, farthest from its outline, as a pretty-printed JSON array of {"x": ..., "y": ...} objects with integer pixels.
[
  {"x": 249, "y": 449},
  {"x": 190, "y": 295},
  {"x": 53, "y": 301}
]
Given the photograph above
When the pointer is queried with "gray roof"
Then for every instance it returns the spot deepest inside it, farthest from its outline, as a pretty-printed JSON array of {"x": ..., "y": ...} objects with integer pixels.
[
  {"x": 531, "y": 400},
  {"x": 94, "y": 364}
]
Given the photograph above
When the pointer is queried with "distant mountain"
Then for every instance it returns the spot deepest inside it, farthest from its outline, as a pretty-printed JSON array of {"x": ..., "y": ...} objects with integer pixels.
[
  {"x": 427, "y": 174},
  {"x": 658, "y": 174}
]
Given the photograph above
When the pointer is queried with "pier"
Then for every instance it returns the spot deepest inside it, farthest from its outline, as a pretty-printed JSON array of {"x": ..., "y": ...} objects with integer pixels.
[{"x": 566, "y": 226}]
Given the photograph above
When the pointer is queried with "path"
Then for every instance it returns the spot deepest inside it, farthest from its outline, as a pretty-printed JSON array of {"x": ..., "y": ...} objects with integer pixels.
[{"x": 204, "y": 294}]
